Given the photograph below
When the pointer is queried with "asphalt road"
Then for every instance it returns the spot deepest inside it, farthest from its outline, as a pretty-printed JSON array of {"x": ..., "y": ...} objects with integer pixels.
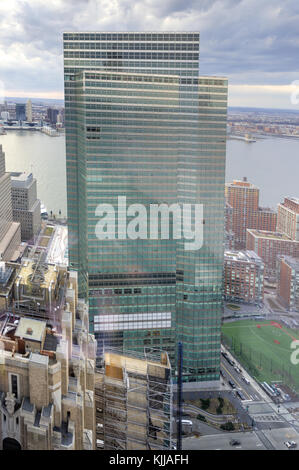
[
  {"x": 230, "y": 373},
  {"x": 248, "y": 441}
]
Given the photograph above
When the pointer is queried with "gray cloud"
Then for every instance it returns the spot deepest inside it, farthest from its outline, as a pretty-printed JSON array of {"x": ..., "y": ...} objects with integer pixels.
[{"x": 250, "y": 41}]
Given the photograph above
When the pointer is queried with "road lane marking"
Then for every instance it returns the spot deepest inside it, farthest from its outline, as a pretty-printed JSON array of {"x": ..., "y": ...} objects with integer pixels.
[{"x": 236, "y": 381}]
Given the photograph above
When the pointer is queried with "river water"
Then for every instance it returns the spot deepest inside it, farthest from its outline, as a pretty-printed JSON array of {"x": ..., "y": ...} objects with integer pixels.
[{"x": 270, "y": 163}]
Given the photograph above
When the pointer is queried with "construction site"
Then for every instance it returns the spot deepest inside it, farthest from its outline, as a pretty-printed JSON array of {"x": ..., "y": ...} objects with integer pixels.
[{"x": 133, "y": 396}]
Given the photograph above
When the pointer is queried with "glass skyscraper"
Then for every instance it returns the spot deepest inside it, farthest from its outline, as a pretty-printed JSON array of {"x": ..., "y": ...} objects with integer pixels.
[{"x": 142, "y": 124}]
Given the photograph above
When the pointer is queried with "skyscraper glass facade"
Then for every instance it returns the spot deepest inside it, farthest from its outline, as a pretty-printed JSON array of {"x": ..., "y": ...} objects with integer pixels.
[{"x": 142, "y": 124}]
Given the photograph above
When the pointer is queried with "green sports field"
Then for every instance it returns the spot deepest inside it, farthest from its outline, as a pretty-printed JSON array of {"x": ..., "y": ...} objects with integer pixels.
[{"x": 264, "y": 347}]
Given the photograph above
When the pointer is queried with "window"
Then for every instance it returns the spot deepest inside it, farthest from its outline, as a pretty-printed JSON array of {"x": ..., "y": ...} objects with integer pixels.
[{"x": 14, "y": 384}]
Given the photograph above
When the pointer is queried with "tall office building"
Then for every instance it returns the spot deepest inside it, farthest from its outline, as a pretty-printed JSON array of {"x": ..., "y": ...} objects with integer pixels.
[
  {"x": 20, "y": 112},
  {"x": 142, "y": 124},
  {"x": 10, "y": 231},
  {"x": 29, "y": 110},
  {"x": 52, "y": 115},
  {"x": 25, "y": 205}
]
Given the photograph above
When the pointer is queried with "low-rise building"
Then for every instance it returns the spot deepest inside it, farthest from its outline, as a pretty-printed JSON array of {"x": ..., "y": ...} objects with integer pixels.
[{"x": 243, "y": 277}]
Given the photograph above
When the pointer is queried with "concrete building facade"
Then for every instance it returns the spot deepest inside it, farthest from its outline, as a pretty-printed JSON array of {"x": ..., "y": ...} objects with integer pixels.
[
  {"x": 26, "y": 206},
  {"x": 29, "y": 111},
  {"x": 47, "y": 364},
  {"x": 10, "y": 231},
  {"x": 243, "y": 277}
]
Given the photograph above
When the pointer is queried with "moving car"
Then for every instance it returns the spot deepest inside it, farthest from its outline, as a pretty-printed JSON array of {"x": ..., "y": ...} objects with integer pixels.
[
  {"x": 240, "y": 395},
  {"x": 234, "y": 442},
  {"x": 291, "y": 444},
  {"x": 245, "y": 380}
]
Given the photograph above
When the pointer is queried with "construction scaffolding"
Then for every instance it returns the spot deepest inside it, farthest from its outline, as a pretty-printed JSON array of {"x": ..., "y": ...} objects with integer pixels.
[{"x": 134, "y": 401}]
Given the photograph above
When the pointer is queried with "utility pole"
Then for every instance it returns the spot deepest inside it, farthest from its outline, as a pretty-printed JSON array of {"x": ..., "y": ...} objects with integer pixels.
[{"x": 179, "y": 396}]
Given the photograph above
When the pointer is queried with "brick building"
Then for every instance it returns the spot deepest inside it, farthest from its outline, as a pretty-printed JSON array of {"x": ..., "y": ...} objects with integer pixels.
[
  {"x": 243, "y": 197},
  {"x": 288, "y": 217},
  {"x": 268, "y": 245},
  {"x": 288, "y": 282}
]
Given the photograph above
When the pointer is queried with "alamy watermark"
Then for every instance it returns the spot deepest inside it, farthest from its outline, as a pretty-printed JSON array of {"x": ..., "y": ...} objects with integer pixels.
[
  {"x": 295, "y": 353},
  {"x": 187, "y": 222},
  {"x": 295, "y": 92}
]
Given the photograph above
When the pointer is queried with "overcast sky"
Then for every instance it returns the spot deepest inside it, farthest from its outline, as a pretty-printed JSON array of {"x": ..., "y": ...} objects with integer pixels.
[{"x": 255, "y": 43}]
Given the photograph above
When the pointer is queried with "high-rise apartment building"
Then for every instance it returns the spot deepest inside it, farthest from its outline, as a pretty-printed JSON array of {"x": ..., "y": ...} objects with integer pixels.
[
  {"x": 29, "y": 110},
  {"x": 243, "y": 197},
  {"x": 288, "y": 217},
  {"x": 142, "y": 124},
  {"x": 25, "y": 205}
]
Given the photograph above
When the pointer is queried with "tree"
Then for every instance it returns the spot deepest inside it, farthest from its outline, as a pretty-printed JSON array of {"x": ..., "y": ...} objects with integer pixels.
[{"x": 228, "y": 426}]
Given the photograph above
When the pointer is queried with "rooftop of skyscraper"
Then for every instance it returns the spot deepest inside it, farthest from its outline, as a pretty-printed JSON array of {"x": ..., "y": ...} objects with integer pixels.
[{"x": 242, "y": 183}]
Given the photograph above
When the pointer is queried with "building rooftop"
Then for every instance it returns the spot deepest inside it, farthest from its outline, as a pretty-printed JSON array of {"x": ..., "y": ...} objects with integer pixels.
[
  {"x": 247, "y": 256},
  {"x": 292, "y": 262},
  {"x": 21, "y": 180},
  {"x": 33, "y": 330},
  {"x": 267, "y": 209},
  {"x": 293, "y": 199},
  {"x": 48, "y": 274},
  {"x": 269, "y": 235},
  {"x": 242, "y": 184}
]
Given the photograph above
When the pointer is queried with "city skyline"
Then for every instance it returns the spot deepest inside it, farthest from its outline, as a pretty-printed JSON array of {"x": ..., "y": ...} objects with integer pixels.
[{"x": 258, "y": 57}]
